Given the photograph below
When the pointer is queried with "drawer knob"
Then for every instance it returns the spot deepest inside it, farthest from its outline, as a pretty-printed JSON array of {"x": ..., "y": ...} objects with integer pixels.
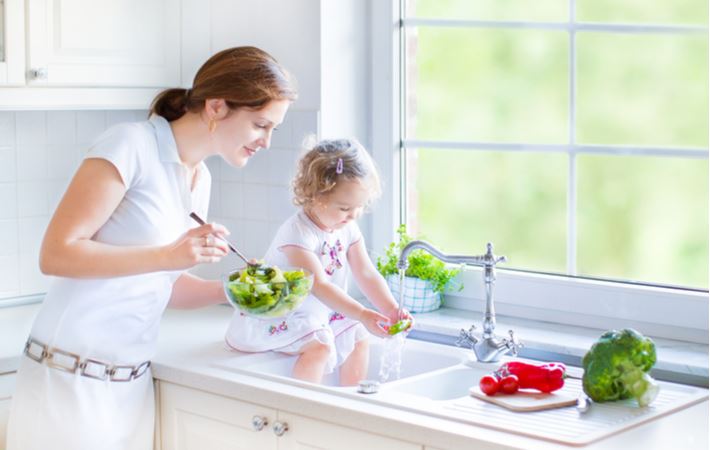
[
  {"x": 259, "y": 422},
  {"x": 280, "y": 428}
]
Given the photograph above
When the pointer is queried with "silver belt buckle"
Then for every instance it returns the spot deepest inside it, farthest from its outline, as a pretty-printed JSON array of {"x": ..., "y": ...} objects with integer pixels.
[
  {"x": 53, "y": 362},
  {"x": 141, "y": 369},
  {"x": 87, "y": 371},
  {"x": 33, "y": 352},
  {"x": 115, "y": 373}
]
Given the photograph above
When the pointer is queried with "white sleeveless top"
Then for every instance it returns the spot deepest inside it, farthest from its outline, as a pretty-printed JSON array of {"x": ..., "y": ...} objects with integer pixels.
[
  {"x": 116, "y": 319},
  {"x": 251, "y": 334}
]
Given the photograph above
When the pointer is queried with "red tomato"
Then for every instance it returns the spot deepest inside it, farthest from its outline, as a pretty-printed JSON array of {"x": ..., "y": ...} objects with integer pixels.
[
  {"x": 509, "y": 384},
  {"x": 489, "y": 384}
]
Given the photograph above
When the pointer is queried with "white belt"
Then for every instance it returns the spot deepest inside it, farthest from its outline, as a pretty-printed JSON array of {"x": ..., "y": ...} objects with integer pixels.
[{"x": 71, "y": 362}]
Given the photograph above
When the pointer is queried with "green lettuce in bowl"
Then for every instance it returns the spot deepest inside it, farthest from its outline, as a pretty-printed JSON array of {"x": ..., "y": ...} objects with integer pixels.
[{"x": 267, "y": 291}]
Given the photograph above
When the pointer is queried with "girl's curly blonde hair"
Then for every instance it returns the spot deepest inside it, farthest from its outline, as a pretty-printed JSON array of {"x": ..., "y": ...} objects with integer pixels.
[{"x": 328, "y": 161}]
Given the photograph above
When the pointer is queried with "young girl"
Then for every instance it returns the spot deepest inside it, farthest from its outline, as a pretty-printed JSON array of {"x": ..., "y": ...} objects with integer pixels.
[{"x": 336, "y": 180}]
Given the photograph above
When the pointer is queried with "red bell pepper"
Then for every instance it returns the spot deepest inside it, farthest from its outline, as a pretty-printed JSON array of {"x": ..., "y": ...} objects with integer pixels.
[{"x": 546, "y": 377}]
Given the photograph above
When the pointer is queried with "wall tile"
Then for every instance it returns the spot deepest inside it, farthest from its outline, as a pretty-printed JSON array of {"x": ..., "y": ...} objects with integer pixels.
[
  {"x": 7, "y": 129},
  {"x": 62, "y": 161},
  {"x": 61, "y": 127},
  {"x": 256, "y": 238},
  {"x": 257, "y": 170},
  {"x": 304, "y": 123},
  {"x": 281, "y": 205},
  {"x": 9, "y": 276},
  {"x": 121, "y": 116},
  {"x": 282, "y": 166},
  {"x": 9, "y": 235},
  {"x": 32, "y": 199},
  {"x": 229, "y": 173},
  {"x": 32, "y": 280},
  {"x": 30, "y": 129},
  {"x": 256, "y": 201},
  {"x": 8, "y": 200},
  {"x": 31, "y": 232},
  {"x": 8, "y": 164},
  {"x": 231, "y": 200},
  {"x": 89, "y": 125},
  {"x": 32, "y": 162},
  {"x": 281, "y": 136}
]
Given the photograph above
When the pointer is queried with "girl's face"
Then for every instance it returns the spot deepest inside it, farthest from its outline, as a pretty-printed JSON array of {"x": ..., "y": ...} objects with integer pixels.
[
  {"x": 342, "y": 205},
  {"x": 244, "y": 131}
]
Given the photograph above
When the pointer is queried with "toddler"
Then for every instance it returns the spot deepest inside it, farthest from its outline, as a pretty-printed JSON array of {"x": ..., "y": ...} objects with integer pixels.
[{"x": 336, "y": 181}]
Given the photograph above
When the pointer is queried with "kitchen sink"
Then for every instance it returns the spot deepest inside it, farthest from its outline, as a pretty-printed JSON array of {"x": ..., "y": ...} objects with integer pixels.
[{"x": 418, "y": 357}]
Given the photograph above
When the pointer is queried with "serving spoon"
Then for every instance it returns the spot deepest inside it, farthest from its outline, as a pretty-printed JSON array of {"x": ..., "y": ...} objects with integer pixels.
[{"x": 231, "y": 246}]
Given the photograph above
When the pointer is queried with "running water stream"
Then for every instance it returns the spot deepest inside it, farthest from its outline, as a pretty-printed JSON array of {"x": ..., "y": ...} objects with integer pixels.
[{"x": 391, "y": 357}]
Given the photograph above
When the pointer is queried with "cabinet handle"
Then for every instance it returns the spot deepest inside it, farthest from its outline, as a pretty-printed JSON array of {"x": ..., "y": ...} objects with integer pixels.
[
  {"x": 280, "y": 428},
  {"x": 259, "y": 422},
  {"x": 38, "y": 73}
]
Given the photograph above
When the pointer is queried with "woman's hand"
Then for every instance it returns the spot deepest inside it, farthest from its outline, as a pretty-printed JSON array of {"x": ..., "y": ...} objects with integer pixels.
[
  {"x": 373, "y": 322},
  {"x": 198, "y": 245}
]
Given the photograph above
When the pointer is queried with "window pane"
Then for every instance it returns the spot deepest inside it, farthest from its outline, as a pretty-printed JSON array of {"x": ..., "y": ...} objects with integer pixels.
[
  {"x": 643, "y": 218},
  {"x": 460, "y": 200},
  {"x": 675, "y": 12},
  {"x": 488, "y": 85},
  {"x": 642, "y": 89},
  {"x": 538, "y": 10}
]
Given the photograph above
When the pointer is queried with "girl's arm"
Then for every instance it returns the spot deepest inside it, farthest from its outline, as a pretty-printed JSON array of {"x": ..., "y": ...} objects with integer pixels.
[
  {"x": 330, "y": 294},
  {"x": 190, "y": 291},
  {"x": 93, "y": 195},
  {"x": 371, "y": 283}
]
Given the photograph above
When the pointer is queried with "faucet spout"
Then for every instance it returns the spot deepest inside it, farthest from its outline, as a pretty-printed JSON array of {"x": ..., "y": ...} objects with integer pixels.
[{"x": 488, "y": 348}]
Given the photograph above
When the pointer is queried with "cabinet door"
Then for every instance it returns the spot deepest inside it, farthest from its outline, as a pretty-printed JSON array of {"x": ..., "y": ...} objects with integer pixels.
[
  {"x": 191, "y": 419},
  {"x": 309, "y": 433},
  {"x": 7, "y": 386},
  {"x": 108, "y": 43},
  {"x": 12, "y": 42}
]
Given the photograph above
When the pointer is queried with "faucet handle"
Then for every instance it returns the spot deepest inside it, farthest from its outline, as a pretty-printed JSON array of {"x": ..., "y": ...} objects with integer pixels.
[
  {"x": 466, "y": 338},
  {"x": 513, "y": 343}
]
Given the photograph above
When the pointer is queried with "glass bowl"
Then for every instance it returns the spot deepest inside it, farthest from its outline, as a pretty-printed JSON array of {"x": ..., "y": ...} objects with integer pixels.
[{"x": 267, "y": 292}]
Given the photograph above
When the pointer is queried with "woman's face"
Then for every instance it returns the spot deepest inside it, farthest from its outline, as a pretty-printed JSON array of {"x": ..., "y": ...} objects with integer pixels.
[{"x": 245, "y": 131}]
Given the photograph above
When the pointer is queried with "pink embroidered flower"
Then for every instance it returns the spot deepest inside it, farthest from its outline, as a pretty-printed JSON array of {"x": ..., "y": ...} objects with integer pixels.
[
  {"x": 335, "y": 316},
  {"x": 332, "y": 252},
  {"x": 273, "y": 329}
]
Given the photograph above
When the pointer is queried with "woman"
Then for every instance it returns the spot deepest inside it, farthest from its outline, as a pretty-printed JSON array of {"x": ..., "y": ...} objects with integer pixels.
[{"x": 118, "y": 245}]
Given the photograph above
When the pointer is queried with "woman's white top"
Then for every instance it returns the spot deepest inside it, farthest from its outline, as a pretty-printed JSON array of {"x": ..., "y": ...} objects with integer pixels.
[
  {"x": 116, "y": 319},
  {"x": 251, "y": 334}
]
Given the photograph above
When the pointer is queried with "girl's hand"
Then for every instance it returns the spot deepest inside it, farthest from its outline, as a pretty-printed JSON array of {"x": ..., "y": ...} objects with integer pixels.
[
  {"x": 372, "y": 321},
  {"x": 405, "y": 315},
  {"x": 196, "y": 246}
]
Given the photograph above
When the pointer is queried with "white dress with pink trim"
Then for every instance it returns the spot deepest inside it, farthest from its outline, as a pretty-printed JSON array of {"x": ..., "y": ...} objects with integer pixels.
[{"x": 313, "y": 319}]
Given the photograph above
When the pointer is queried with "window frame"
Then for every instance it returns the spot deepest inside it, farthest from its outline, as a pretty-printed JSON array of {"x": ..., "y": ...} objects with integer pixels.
[{"x": 675, "y": 313}]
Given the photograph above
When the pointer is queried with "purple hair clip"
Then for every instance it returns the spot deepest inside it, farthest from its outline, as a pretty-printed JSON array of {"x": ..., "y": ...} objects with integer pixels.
[{"x": 339, "y": 167}]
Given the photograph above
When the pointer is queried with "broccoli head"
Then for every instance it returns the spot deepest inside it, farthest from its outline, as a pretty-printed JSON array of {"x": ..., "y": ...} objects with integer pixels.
[{"x": 617, "y": 365}]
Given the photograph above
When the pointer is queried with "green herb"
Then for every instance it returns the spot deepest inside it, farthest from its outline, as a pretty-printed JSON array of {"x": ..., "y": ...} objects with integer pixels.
[{"x": 422, "y": 265}]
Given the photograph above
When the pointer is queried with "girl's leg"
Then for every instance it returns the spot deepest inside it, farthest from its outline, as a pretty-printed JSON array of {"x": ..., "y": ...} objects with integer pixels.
[
  {"x": 310, "y": 364},
  {"x": 354, "y": 368}
]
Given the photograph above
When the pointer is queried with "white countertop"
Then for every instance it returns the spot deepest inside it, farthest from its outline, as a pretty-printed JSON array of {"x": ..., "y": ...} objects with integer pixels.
[{"x": 191, "y": 343}]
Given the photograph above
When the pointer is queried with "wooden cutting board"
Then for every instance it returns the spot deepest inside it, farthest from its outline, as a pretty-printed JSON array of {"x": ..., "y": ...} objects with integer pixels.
[{"x": 525, "y": 401}]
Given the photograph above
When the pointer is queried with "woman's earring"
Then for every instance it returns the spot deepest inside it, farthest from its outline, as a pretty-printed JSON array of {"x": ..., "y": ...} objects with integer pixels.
[{"x": 212, "y": 125}]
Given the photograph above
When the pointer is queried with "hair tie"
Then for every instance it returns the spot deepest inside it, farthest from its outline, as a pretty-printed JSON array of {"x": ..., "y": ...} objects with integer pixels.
[
  {"x": 339, "y": 167},
  {"x": 187, "y": 94}
]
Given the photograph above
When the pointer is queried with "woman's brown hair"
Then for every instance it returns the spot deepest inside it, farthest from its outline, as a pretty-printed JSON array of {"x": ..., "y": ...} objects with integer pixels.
[{"x": 242, "y": 76}]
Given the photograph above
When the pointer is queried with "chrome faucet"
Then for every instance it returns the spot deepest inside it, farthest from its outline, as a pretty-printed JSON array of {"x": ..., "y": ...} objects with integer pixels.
[{"x": 488, "y": 348}]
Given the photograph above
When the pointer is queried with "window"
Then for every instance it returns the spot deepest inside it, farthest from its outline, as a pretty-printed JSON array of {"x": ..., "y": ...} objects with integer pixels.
[{"x": 572, "y": 134}]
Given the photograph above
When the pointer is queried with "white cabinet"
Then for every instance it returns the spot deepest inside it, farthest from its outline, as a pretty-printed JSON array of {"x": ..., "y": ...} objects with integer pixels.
[
  {"x": 110, "y": 43},
  {"x": 7, "y": 387},
  {"x": 198, "y": 420},
  {"x": 89, "y": 53}
]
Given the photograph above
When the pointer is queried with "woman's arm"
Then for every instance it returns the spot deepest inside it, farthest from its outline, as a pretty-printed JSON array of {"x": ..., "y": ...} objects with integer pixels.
[
  {"x": 190, "y": 292},
  {"x": 92, "y": 196},
  {"x": 371, "y": 283},
  {"x": 330, "y": 294}
]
